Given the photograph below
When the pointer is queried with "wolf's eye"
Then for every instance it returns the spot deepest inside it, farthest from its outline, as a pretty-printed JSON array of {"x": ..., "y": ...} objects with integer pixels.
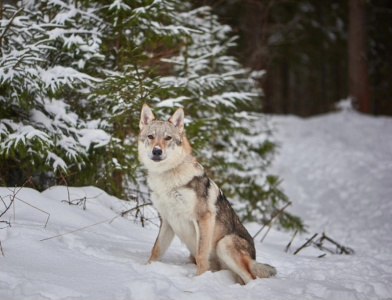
[
  {"x": 151, "y": 137},
  {"x": 168, "y": 138}
]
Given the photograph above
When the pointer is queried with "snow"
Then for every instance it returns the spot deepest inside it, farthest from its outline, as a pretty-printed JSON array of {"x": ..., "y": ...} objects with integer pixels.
[
  {"x": 119, "y": 5},
  {"x": 172, "y": 102},
  {"x": 22, "y": 135},
  {"x": 337, "y": 171},
  {"x": 58, "y": 76}
]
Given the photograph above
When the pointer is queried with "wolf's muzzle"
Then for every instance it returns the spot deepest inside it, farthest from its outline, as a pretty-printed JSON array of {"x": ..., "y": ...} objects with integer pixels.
[{"x": 157, "y": 154}]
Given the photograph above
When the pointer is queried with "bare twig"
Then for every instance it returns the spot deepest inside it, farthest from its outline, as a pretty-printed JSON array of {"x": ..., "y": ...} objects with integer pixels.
[
  {"x": 107, "y": 220},
  {"x": 273, "y": 218},
  {"x": 265, "y": 234},
  {"x": 8, "y": 224},
  {"x": 13, "y": 196},
  {"x": 343, "y": 249},
  {"x": 135, "y": 208},
  {"x": 72, "y": 231},
  {"x": 306, "y": 244},
  {"x": 1, "y": 249},
  {"x": 23, "y": 185},
  {"x": 79, "y": 202},
  {"x": 7, "y": 207},
  {"x": 289, "y": 244},
  {"x": 340, "y": 249},
  {"x": 66, "y": 185},
  {"x": 47, "y": 220}
]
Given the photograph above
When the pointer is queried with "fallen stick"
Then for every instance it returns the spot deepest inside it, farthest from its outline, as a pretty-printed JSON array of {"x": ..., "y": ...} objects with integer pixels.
[
  {"x": 107, "y": 220},
  {"x": 74, "y": 230},
  {"x": 340, "y": 247},
  {"x": 306, "y": 244},
  {"x": 289, "y": 244},
  {"x": 135, "y": 208},
  {"x": 265, "y": 234},
  {"x": 1, "y": 248},
  {"x": 47, "y": 220}
]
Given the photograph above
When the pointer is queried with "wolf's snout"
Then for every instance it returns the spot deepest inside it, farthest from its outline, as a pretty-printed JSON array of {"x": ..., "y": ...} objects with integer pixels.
[{"x": 156, "y": 152}]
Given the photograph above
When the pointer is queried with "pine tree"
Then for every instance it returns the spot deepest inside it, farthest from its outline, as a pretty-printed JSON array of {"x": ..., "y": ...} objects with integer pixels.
[
  {"x": 72, "y": 100},
  {"x": 41, "y": 47},
  {"x": 218, "y": 95},
  {"x": 136, "y": 36}
]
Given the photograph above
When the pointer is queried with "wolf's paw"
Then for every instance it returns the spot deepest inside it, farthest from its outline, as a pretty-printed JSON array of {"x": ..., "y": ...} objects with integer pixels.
[
  {"x": 270, "y": 269},
  {"x": 262, "y": 270},
  {"x": 150, "y": 261},
  {"x": 201, "y": 271},
  {"x": 202, "y": 268}
]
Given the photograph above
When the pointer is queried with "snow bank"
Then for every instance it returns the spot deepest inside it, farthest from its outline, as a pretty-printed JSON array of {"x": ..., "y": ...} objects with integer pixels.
[{"x": 337, "y": 170}]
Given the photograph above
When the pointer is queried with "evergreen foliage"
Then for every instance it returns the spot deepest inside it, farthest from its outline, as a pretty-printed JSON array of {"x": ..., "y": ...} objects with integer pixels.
[
  {"x": 75, "y": 74},
  {"x": 39, "y": 80}
]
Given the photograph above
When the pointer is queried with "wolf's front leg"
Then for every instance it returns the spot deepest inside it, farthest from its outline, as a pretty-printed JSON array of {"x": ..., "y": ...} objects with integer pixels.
[
  {"x": 164, "y": 238},
  {"x": 204, "y": 229}
]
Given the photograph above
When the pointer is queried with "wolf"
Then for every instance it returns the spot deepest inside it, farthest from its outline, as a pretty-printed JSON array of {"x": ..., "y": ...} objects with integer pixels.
[{"x": 190, "y": 204}]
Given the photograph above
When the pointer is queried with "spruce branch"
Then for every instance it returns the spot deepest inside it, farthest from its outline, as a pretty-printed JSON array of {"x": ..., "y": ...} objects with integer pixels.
[{"x": 9, "y": 26}]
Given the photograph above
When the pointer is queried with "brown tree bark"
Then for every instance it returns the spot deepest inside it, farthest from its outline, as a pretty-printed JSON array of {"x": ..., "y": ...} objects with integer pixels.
[{"x": 358, "y": 77}]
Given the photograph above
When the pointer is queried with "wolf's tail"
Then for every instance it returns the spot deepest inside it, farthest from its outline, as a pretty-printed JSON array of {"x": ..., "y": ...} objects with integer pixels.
[{"x": 261, "y": 270}]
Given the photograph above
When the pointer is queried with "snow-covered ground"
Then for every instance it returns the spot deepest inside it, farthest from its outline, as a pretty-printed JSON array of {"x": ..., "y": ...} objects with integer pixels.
[{"x": 337, "y": 171}]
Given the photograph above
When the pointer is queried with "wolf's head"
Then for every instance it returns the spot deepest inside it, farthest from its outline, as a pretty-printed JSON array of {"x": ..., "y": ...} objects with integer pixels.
[{"x": 162, "y": 144}]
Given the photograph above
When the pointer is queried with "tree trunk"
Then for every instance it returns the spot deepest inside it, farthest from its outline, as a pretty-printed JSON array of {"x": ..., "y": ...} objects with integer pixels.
[{"x": 358, "y": 78}]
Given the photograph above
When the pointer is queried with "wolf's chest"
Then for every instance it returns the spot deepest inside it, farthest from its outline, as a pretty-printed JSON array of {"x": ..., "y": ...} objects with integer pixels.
[
  {"x": 178, "y": 209},
  {"x": 176, "y": 204}
]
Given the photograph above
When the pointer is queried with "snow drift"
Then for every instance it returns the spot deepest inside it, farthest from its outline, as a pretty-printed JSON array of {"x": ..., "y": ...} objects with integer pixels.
[{"x": 338, "y": 173}]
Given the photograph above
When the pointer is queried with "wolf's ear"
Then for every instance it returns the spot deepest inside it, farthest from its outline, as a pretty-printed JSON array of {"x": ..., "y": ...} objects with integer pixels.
[
  {"x": 177, "y": 119},
  {"x": 146, "y": 116}
]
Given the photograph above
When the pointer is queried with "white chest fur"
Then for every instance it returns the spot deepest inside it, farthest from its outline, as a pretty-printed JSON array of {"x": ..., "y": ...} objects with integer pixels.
[
  {"x": 176, "y": 203},
  {"x": 178, "y": 209}
]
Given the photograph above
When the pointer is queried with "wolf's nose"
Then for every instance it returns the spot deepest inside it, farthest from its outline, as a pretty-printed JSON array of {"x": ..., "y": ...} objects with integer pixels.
[{"x": 157, "y": 152}]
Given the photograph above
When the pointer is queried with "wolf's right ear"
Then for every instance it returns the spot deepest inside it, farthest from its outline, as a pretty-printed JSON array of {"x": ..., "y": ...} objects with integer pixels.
[{"x": 146, "y": 116}]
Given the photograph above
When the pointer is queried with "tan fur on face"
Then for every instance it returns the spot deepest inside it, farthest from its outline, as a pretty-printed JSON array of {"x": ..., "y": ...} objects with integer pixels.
[{"x": 153, "y": 134}]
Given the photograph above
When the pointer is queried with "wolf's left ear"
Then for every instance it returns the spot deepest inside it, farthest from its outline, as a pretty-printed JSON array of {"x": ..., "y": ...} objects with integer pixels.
[
  {"x": 177, "y": 119},
  {"x": 146, "y": 116}
]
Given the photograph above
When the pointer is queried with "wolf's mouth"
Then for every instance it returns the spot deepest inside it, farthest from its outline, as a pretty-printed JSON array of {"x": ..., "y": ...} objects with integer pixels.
[{"x": 156, "y": 159}]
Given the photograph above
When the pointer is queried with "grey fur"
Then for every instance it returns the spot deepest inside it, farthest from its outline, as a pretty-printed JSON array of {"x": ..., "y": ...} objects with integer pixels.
[{"x": 201, "y": 185}]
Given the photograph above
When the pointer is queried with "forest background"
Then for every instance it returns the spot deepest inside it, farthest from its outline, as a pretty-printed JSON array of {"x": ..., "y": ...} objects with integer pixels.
[
  {"x": 75, "y": 74},
  {"x": 315, "y": 52}
]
